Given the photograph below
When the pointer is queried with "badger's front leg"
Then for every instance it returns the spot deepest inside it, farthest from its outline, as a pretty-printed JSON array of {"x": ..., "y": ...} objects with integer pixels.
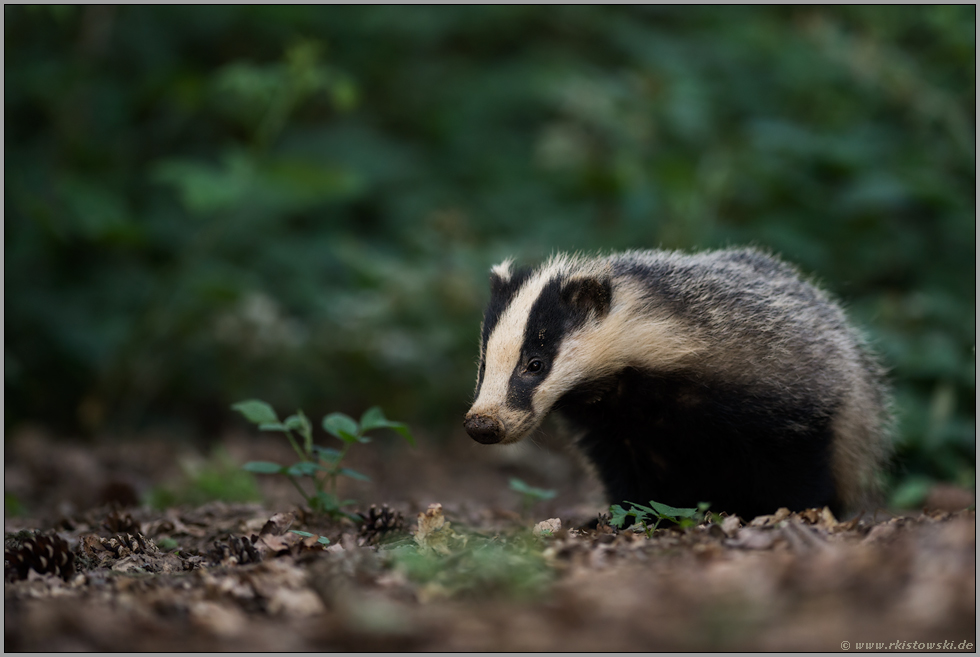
[{"x": 628, "y": 471}]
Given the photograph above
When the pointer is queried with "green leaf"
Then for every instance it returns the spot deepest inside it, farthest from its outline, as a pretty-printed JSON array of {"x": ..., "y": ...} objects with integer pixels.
[
  {"x": 911, "y": 493},
  {"x": 672, "y": 512},
  {"x": 272, "y": 426},
  {"x": 342, "y": 426},
  {"x": 327, "y": 453},
  {"x": 354, "y": 474},
  {"x": 518, "y": 485},
  {"x": 617, "y": 515},
  {"x": 348, "y": 437},
  {"x": 205, "y": 188},
  {"x": 374, "y": 418},
  {"x": 256, "y": 411},
  {"x": 537, "y": 493},
  {"x": 320, "y": 539},
  {"x": 167, "y": 543},
  {"x": 640, "y": 509},
  {"x": 304, "y": 469},
  {"x": 402, "y": 429},
  {"x": 264, "y": 467}
]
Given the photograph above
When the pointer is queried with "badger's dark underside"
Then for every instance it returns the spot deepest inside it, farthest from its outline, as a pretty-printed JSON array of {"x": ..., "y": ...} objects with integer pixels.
[{"x": 681, "y": 439}]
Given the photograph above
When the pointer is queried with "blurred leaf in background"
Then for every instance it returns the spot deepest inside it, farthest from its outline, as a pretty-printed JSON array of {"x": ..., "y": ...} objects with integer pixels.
[{"x": 301, "y": 203}]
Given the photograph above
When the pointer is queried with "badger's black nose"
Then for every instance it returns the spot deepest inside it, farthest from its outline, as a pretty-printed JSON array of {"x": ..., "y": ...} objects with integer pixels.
[{"x": 484, "y": 429}]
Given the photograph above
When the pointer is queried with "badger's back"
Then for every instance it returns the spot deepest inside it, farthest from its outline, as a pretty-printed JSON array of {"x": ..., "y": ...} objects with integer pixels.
[{"x": 720, "y": 376}]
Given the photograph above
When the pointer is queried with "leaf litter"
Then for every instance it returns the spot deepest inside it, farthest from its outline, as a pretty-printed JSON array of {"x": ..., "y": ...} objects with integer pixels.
[
  {"x": 238, "y": 577},
  {"x": 472, "y": 575}
]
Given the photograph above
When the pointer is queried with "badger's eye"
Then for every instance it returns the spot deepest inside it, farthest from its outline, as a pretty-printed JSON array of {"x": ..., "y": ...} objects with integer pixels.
[{"x": 535, "y": 365}]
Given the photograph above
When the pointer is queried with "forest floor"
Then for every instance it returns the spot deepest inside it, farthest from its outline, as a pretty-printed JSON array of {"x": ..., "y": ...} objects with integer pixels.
[{"x": 449, "y": 560}]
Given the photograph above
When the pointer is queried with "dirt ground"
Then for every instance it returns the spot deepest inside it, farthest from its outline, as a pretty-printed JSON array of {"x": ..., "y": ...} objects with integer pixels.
[{"x": 450, "y": 560}]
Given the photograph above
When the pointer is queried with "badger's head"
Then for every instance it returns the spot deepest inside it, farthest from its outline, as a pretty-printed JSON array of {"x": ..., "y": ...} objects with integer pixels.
[{"x": 538, "y": 340}]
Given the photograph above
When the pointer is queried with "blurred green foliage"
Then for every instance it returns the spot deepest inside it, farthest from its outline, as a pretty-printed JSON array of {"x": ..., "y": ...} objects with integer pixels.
[
  {"x": 511, "y": 568},
  {"x": 12, "y": 506},
  {"x": 300, "y": 203},
  {"x": 218, "y": 477}
]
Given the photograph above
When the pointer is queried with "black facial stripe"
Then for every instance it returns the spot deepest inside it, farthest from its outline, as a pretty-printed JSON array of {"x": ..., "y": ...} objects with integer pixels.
[
  {"x": 502, "y": 292},
  {"x": 549, "y": 321}
]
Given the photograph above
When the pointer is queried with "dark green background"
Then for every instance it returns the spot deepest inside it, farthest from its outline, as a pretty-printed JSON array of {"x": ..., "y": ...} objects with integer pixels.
[{"x": 300, "y": 204}]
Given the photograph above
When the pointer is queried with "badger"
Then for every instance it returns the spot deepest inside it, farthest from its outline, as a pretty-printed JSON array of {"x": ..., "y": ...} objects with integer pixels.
[{"x": 720, "y": 377}]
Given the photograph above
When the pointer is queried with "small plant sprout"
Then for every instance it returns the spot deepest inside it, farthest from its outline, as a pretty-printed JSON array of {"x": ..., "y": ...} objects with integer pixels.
[
  {"x": 321, "y": 464},
  {"x": 323, "y": 540},
  {"x": 529, "y": 494},
  {"x": 656, "y": 512}
]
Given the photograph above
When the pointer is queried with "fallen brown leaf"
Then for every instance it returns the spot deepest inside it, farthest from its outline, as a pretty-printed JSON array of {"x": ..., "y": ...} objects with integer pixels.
[{"x": 434, "y": 532}]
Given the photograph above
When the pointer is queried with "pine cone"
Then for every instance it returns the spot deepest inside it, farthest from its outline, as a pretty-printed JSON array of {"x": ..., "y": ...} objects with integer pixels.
[
  {"x": 378, "y": 522},
  {"x": 234, "y": 550},
  {"x": 602, "y": 525},
  {"x": 124, "y": 544},
  {"x": 121, "y": 523},
  {"x": 41, "y": 553}
]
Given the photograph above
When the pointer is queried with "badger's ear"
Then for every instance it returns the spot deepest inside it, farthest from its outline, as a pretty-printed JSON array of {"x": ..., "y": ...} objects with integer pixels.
[
  {"x": 500, "y": 275},
  {"x": 505, "y": 281},
  {"x": 502, "y": 271},
  {"x": 588, "y": 295}
]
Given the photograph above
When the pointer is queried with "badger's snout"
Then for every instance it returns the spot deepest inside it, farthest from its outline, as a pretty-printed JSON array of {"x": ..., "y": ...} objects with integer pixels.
[{"x": 484, "y": 429}]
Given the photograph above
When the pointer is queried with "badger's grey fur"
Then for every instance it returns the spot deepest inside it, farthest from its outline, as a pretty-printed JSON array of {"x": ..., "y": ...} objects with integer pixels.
[{"x": 719, "y": 376}]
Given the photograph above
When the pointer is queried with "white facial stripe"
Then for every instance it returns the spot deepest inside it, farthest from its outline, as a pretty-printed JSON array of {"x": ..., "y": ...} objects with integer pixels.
[{"x": 504, "y": 346}]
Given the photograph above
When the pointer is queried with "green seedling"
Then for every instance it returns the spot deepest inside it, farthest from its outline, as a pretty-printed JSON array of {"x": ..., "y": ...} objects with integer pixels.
[
  {"x": 651, "y": 516},
  {"x": 529, "y": 494},
  {"x": 321, "y": 464},
  {"x": 320, "y": 539},
  {"x": 167, "y": 544}
]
